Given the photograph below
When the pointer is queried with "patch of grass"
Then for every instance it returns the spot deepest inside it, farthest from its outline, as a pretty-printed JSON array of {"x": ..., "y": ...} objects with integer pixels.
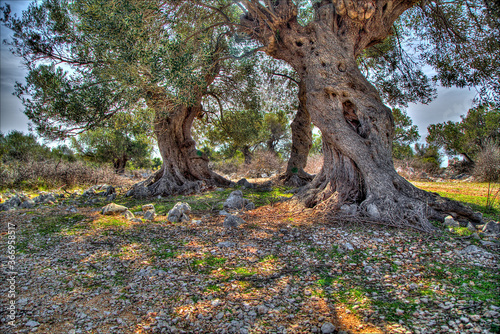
[
  {"x": 471, "y": 193},
  {"x": 109, "y": 221},
  {"x": 213, "y": 288},
  {"x": 118, "y": 280},
  {"x": 22, "y": 246},
  {"x": 165, "y": 251},
  {"x": 208, "y": 263},
  {"x": 244, "y": 272},
  {"x": 56, "y": 224},
  {"x": 484, "y": 289},
  {"x": 269, "y": 258},
  {"x": 388, "y": 308},
  {"x": 461, "y": 231}
]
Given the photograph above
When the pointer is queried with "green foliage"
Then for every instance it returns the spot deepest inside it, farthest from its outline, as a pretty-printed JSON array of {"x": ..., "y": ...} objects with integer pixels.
[
  {"x": 317, "y": 144},
  {"x": 89, "y": 60},
  {"x": 469, "y": 136},
  {"x": 156, "y": 163},
  {"x": 275, "y": 130},
  {"x": 405, "y": 134},
  {"x": 427, "y": 158},
  {"x": 459, "y": 40},
  {"x": 239, "y": 128},
  {"x": 17, "y": 146},
  {"x": 125, "y": 138},
  {"x": 398, "y": 78}
]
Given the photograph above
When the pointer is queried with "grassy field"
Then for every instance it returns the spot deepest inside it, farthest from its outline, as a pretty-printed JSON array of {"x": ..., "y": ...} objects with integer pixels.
[{"x": 470, "y": 193}]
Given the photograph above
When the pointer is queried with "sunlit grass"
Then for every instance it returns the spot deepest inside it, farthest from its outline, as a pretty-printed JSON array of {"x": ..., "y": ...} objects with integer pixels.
[
  {"x": 470, "y": 193},
  {"x": 206, "y": 201}
]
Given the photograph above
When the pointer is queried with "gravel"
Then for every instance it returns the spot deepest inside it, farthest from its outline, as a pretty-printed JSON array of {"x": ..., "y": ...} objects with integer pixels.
[{"x": 266, "y": 276}]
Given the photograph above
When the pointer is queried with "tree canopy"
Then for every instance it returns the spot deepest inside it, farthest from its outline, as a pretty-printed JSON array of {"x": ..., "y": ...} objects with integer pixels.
[
  {"x": 125, "y": 139},
  {"x": 469, "y": 136},
  {"x": 90, "y": 60},
  {"x": 405, "y": 134}
]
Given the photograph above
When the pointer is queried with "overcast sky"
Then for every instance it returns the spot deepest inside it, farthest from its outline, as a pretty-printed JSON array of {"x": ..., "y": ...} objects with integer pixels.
[{"x": 450, "y": 104}]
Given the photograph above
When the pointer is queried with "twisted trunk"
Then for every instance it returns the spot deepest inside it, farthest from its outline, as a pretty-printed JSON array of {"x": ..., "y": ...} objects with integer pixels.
[
  {"x": 295, "y": 176},
  {"x": 185, "y": 169},
  {"x": 247, "y": 155},
  {"x": 357, "y": 128},
  {"x": 119, "y": 164}
]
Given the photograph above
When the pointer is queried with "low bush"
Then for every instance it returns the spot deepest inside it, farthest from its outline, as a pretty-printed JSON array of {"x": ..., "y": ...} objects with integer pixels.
[
  {"x": 228, "y": 167},
  {"x": 314, "y": 164},
  {"x": 53, "y": 174},
  {"x": 264, "y": 163}
]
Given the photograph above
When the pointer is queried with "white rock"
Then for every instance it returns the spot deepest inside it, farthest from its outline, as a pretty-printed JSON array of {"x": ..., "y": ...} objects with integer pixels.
[
  {"x": 327, "y": 328},
  {"x": 449, "y": 221},
  {"x": 349, "y": 247},
  {"x": 373, "y": 211},
  {"x": 32, "y": 323}
]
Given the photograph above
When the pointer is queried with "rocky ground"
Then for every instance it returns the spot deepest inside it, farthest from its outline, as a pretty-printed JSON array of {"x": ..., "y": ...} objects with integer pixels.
[{"x": 277, "y": 270}]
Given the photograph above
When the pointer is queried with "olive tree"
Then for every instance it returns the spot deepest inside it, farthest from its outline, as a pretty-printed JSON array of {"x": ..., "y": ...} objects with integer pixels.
[{"x": 357, "y": 128}]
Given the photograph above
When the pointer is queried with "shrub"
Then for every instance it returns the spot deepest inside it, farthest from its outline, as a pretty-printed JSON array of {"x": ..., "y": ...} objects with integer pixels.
[
  {"x": 53, "y": 174},
  {"x": 314, "y": 164},
  {"x": 456, "y": 166},
  {"x": 263, "y": 162},
  {"x": 228, "y": 167},
  {"x": 487, "y": 169}
]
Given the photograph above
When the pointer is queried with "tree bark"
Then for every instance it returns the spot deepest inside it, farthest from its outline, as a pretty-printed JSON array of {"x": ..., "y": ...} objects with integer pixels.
[
  {"x": 247, "y": 155},
  {"x": 357, "y": 128},
  {"x": 295, "y": 176},
  {"x": 119, "y": 164},
  {"x": 185, "y": 169}
]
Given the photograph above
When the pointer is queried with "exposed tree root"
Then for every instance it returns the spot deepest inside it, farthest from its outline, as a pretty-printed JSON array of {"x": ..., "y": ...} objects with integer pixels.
[
  {"x": 401, "y": 206},
  {"x": 164, "y": 184},
  {"x": 296, "y": 180}
]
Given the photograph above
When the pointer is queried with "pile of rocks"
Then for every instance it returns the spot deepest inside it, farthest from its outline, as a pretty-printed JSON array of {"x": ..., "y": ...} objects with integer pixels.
[
  {"x": 235, "y": 203},
  {"x": 23, "y": 201},
  {"x": 179, "y": 213},
  {"x": 100, "y": 190},
  {"x": 487, "y": 233}
]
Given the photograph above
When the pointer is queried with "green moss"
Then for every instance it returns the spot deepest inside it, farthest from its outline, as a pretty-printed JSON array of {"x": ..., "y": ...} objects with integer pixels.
[{"x": 56, "y": 224}]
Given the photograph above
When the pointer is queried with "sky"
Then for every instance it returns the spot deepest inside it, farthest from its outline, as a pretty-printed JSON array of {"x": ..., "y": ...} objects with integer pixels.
[
  {"x": 11, "y": 70},
  {"x": 449, "y": 105}
]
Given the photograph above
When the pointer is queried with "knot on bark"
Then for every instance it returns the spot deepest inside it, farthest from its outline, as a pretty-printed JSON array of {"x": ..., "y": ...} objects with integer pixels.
[{"x": 356, "y": 10}]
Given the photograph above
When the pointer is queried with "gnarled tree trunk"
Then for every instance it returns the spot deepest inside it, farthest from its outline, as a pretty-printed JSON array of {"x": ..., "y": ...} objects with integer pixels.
[
  {"x": 357, "y": 127},
  {"x": 295, "y": 176},
  {"x": 119, "y": 164},
  {"x": 247, "y": 154},
  {"x": 185, "y": 170}
]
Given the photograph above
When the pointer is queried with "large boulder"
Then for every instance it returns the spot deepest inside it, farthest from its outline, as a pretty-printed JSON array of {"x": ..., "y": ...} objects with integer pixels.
[
  {"x": 244, "y": 183},
  {"x": 147, "y": 207},
  {"x": 150, "y": 215},
  {"x": 14, "y": 201},
  {"x": 232, "y": 221},
  {"x": 235, "y": 201},
  {"x": 449, "y": 221},
  {"x": 109, "y": 191},
  {"x": 492, "y": 227},
  {"x": 89, "y": 192},
  {"x": 113, "y": 209},
  {"x": 179, "y": 213},
  {"x": 11, "y": 203},
  {"x": 5, "y": 206},
  {"x": 128, "y": 215},
  {"x": 111, "y": 197}
]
